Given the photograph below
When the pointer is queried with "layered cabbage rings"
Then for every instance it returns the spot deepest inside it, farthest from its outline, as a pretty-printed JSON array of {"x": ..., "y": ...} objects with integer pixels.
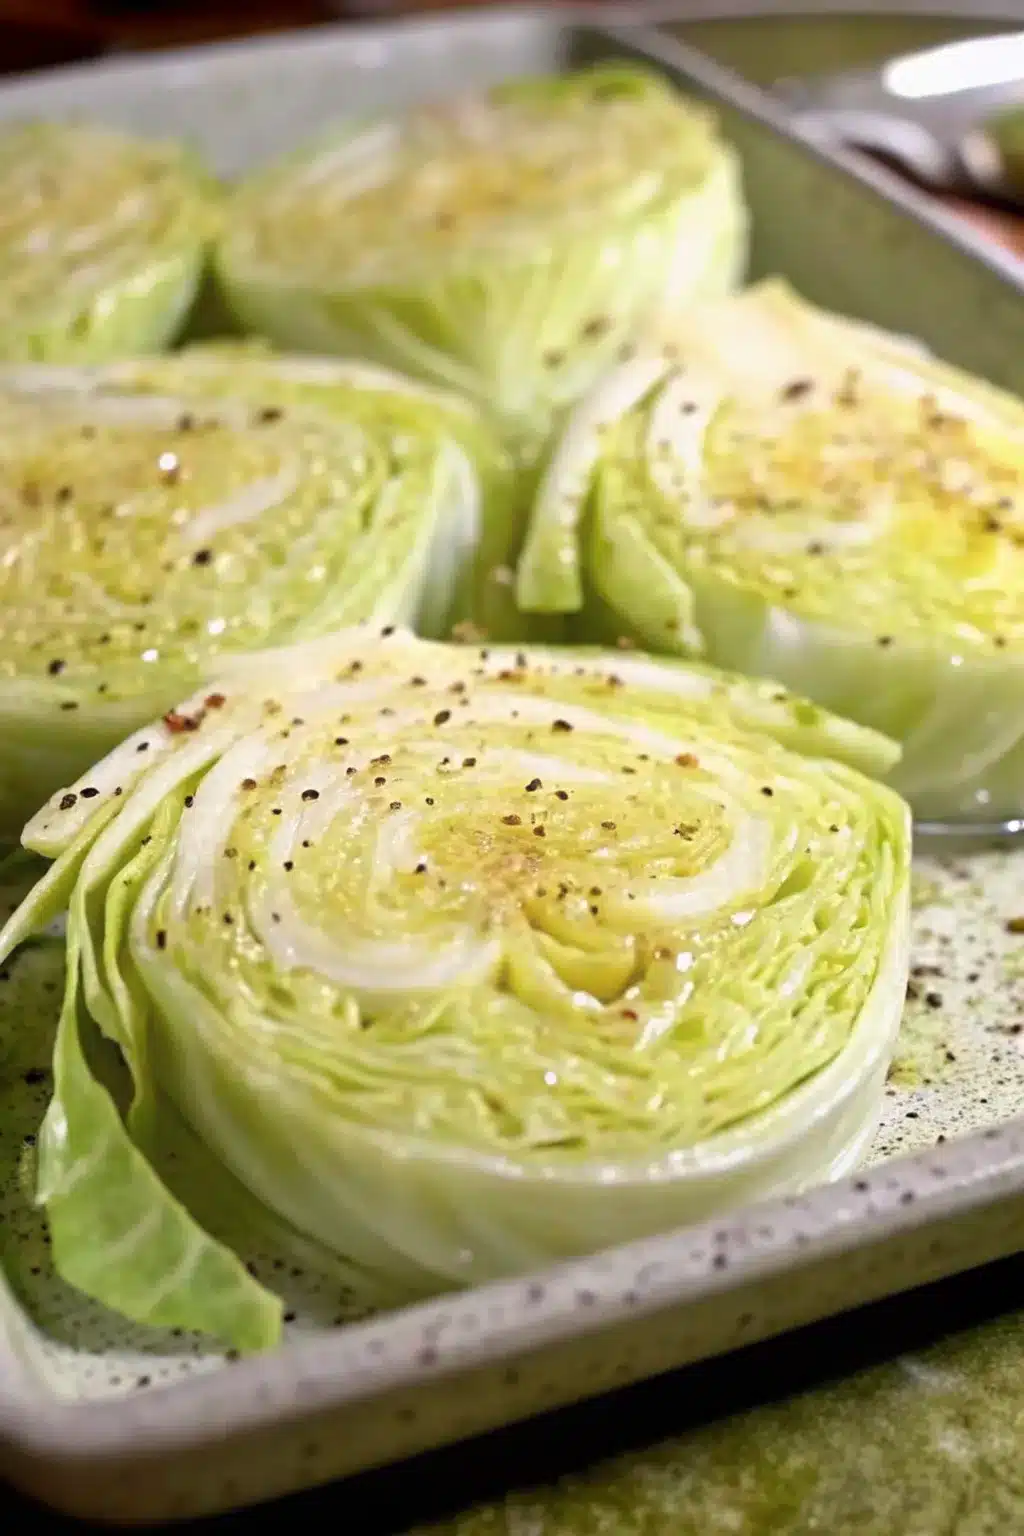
[
  {"x": 457, "y": 960},
  {"x": 155, "y": 516},
  {"x": 103, "y": 241},
  {"x": 798, "y": 496},
  {"x": 505, "y": 244}
]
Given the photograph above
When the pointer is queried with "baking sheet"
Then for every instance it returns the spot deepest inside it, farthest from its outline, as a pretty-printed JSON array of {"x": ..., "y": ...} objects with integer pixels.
[
  {"x": 770, "y": 40},
  {"x": 959, "y": 1067},
  {"x": 172, "y": 1428}
]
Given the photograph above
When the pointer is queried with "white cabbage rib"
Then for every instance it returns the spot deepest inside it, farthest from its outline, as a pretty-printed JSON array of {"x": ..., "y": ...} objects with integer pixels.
[
  {"x": 797, "y": 496},
  {"x": 536, "y": 227},
  {"x": 161, "y": 513},
  {"x": 463, "y": 959}
]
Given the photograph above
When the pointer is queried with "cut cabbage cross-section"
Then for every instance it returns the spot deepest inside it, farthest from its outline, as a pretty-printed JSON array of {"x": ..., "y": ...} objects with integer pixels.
[
  {"x": 103, "y": 241},
  {"x": 460, "y": 960},
  {"x": 799, "y": 496},
  {"x": 161, "y": 515},
  {"x": 505, "y": 244}
]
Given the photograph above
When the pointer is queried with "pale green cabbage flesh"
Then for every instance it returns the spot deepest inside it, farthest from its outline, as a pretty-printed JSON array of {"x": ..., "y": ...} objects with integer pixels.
[
  {"x": 161, "y": 514},
  {"x": 103, "y": 242},
  {"x": 460, "y": 960},
  {"x": 798, "y": 496},
  {"x": 505, "y": 244}
]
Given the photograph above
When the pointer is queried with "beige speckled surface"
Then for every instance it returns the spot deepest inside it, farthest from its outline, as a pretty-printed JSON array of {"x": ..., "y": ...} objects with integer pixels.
[
  {"x": 340, "y": 1397},
  {"x": 928, "y": 1445},
  {"x": 960, "y": 1061},
  {"x": 959, "y": 1067},
  {"x": 936, "y": 1442}
]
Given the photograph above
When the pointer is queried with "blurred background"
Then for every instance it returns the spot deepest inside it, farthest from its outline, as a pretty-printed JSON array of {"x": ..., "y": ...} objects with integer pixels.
[
  {"x": 35, "y": 34},
  {"x": 39, "y": 34}
]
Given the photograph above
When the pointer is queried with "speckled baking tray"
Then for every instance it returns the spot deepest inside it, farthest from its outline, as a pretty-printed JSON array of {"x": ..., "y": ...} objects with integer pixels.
[{"x": 117, "y": 1424}]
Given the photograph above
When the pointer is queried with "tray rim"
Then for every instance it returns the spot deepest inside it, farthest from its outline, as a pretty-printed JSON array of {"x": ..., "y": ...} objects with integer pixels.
[
  {"x": 659, "y": 13},
  {"x": 984, "y": 1170},
  {"x": 912, "y": 1200}
]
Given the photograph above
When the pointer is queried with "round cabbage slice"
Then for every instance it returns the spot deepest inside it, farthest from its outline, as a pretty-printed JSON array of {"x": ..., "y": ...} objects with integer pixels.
[
  {"x": 799, "y": 496},
  {"x": 103, "y": 241},
  {"x": 155, "y": 519},
  {"x": 506, "y": 244},
  {"x": 460, "y": 960}
]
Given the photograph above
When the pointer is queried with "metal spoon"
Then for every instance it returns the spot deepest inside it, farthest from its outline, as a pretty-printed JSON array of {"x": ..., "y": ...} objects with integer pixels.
[{"x": 953, "y": 116}]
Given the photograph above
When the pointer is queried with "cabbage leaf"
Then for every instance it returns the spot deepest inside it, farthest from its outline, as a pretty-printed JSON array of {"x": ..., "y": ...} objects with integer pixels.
[
  {"x": 462, "y": 959},
  {"x": 103, "y": 241},
  {"x": 162, "y": 513},
  {"x": 505, "y": 244},
  {"x": 796, "y": 495}
]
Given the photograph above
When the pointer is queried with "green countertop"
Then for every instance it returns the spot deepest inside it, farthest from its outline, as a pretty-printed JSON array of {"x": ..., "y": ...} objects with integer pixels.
[
  {"x": 925, "y": 1443},
  {"x": 904, "y": 1419},
  {"x": 900, "y": 1419}
]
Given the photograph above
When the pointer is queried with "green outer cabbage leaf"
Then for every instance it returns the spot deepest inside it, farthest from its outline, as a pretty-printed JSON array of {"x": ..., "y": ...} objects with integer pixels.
[
  {"x": 103, "y": 241},
  {"x": 505, "y": 245},
  {"x": 297, "y": 496},
  {"x": 462, "y": 960},
  {"x": 795, "y": 495}
]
